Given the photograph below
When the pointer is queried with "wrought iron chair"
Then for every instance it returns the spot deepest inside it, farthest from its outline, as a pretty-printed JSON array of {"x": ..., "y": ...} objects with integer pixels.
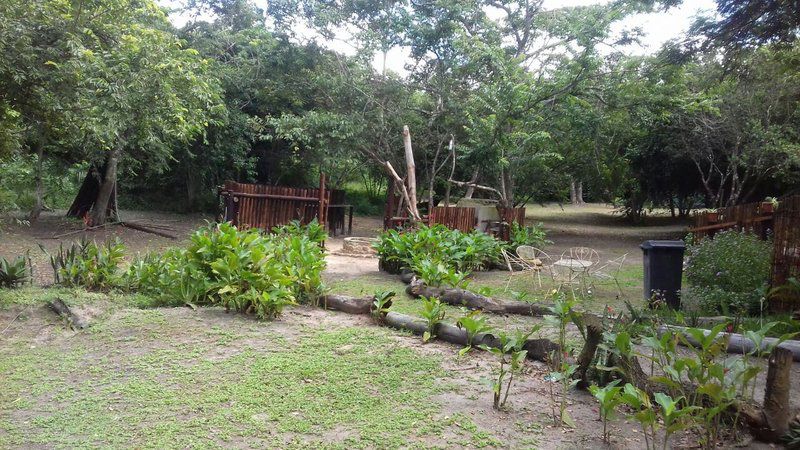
[
  {"x": 528, "y": 259},
  {"x": 609, "y": 271}
]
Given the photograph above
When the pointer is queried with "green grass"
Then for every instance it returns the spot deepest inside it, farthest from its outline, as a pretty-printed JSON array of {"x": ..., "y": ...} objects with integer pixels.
[{"x": 161, "y": 378}]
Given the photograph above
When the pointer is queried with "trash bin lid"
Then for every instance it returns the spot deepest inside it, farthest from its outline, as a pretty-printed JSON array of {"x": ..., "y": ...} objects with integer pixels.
[{"x": 649, "y": 245}]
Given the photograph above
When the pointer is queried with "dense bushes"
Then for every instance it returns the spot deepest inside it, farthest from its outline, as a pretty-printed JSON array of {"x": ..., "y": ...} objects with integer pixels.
[
  {"x": 87, "y": 264},
  {"x": 242, "y": 270},
  {"x": 453, "y": 248},
  {"x": 727, "y": 274}
]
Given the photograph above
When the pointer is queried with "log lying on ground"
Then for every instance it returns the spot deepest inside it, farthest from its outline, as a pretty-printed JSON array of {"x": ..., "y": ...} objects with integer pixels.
[
  {"x": 737, "y": 343},
  {"x": 145, "y": 229},
  {"x": 75, "y": 320},
  {"x": 350, "y": 305},
  {"x": 462, "y": 297},
  {"x": 538, "y": 349}
]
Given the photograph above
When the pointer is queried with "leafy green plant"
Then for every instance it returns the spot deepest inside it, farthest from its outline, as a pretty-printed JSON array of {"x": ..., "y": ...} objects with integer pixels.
[
  {"x": 473, "y": 323},
  {"x": 455, "y": 249},
  {"x": 16, "y": 272},
  {"x": 674, "y": 416},
  {"x": 436, "y": 273},
  {"x": 87, "y": 264},
  {"x": 609, "y": 398},
  {"x": 511, "y": 356},
  {"x": 381, "y": 304},
  {"x": 243, "y": 270},
  {"x": 639, "y": 402},
  {"x": 727, "y": 274},
  {"x": 433, "y": 312},
  {"x": 563, "y": 313},
  {"x": 533, "y": 235},
  {"x": 313, "y": 230}
]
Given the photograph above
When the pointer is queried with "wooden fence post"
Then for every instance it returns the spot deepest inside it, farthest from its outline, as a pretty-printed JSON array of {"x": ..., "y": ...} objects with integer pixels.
[{"x": 322, "y": 207}]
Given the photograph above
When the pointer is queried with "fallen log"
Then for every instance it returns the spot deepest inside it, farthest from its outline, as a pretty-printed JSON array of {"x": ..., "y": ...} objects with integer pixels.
[
  {"x": 538, "y": 349},
  {"x": 144, "y": 229},
  {"x": 350, "y": 305},
  {"x": 75, "y": 320},
  {"x": 471, "y": 300},
  {"x": 737, "y": 343}
]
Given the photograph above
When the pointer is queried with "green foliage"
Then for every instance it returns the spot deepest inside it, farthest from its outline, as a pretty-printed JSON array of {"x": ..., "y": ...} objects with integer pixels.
[
  {"x": 454, "y": 249},
  {"x": 433, "y": 312},
  {"x": 727, "y": 274},
  {"x": 644, "y": 413},
  {"x": 609, "y": 397},
  {"x": 511, "y": 356},
  {"x": 716, "y": 381},
  {"x": 15, "y": 273},
  {"x": 242, "y": 270},
  {"x": 473, "y": 323},
  {"x": 533, "y": 235},
  {"x": 381, "y": 304},
  {"x": 87, "y": 264},
  {"x": 313, "y": 230},
  {"x": 437, "y": 273},
  {"x": 563, "y": 313}
]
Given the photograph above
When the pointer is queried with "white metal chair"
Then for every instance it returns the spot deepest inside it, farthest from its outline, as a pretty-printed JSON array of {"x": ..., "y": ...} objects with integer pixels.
[
  {"x": 528, "y": 259},
  {"x": 609, "y": 271},
  {"x": 577, "y": 262}
]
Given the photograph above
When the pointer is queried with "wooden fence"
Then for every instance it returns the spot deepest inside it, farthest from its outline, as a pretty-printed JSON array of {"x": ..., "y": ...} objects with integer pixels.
[
  {"x": 454, "y": 217},
  {"x": 782, "y": 225},
  {"x": 753, "y": 217},
  {"x": 263, "y": 206},
  {"x": 786, "y": 252}
]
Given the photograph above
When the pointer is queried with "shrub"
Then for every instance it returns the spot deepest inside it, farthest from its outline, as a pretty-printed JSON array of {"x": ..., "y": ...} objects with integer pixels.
[
  {"x": 87, "y": 264},
  {"x": 533, "y": 235},
  {"x": 13, "y": 274},
  {"x": 243, "y": 270},
  {"x": 457, "y": 250},
  {"x": 728, "y": 274}
]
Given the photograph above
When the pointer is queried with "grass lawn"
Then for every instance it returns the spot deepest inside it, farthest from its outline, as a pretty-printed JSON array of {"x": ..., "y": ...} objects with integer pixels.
[{"x": 178, "y": 378}]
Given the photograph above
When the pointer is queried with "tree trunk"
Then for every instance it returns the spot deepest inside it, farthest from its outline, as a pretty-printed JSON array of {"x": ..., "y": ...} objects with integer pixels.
[
  {"x": 471, "y": 188},
  {"x": 411, "y": 172},
  {"x": 579, "y": 193},
  {"x": 100, "y": 210},
  {"x": 594, "y": 336},
  {"x": 39, "y": 205},
  {"x": 573, "y": 192}
]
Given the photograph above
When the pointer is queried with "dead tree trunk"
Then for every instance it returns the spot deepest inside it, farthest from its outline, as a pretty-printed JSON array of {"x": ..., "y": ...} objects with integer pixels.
[
  {"x": 471, "y": 185},
  {"x": 411, "y": 172},
  {"x": 350, "y": 305},
  {"x": 471, "y": 300},
  {"x": 594, "y": 335},
  {"x": 100, "y": 209},
  {"x": 75, "y": 321}
]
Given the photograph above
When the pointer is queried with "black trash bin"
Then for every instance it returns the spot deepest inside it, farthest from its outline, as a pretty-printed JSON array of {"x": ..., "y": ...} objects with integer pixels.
[{"x": 663, "y": 270}]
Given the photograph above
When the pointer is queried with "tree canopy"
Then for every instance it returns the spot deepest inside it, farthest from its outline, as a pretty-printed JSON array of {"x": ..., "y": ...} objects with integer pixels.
[{"x": 505, "y": 99}]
